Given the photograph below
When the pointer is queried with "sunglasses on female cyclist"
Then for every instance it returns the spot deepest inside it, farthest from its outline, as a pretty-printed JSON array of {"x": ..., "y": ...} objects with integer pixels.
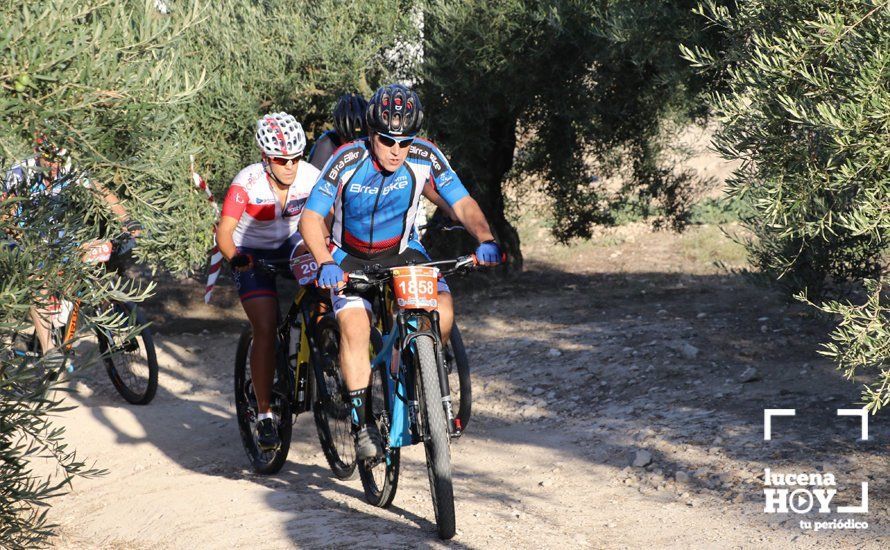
[
  {"x": 389, "y": 141},
  {"x": 281, "y": 161}
]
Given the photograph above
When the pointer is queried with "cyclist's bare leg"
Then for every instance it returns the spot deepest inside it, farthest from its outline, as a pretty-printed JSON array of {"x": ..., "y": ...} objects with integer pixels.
[
  {"x": 40, "y": 318},
  {"x": 355, "y": 337},
  {"x": 263, "y": 316},
  {"x": 446, "y": 315}
]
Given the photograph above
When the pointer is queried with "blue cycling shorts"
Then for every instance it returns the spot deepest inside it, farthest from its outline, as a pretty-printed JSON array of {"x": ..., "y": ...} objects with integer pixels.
[{"x": 254, "y": 283}]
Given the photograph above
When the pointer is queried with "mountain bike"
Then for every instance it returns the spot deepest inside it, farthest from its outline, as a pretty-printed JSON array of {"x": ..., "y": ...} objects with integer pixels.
[
  {"x": 411, "y": 399},
  {"x": 307, "y": 376},
  {"x": 130, "y": 360}
]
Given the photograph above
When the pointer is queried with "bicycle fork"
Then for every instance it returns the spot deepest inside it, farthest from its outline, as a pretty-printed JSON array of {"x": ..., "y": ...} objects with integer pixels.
[{"x": 407, "y": 325}]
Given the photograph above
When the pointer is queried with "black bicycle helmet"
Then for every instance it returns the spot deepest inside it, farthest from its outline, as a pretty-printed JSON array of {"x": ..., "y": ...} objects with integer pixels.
[
  {"x": 395, "y": 110},
  {"x": 349, "y": 117}
]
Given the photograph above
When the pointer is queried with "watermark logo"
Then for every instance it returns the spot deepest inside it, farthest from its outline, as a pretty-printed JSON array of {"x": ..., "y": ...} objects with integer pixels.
[{"x": 806, "y": 492}]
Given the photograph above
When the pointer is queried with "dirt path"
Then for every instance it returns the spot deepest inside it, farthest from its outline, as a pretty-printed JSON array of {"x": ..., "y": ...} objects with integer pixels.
[{"x": 627, "y": 350}]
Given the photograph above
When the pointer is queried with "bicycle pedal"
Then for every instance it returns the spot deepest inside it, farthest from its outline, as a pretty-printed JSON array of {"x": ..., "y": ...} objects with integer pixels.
[{"x": 457, "y": 429}]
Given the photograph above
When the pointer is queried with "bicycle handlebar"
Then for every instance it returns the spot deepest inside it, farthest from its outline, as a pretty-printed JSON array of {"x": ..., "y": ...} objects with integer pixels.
[
  {"x": 274, "y": 267},
  {"x": 362, "y": 280},
  {"x": 446, "y": 224}
]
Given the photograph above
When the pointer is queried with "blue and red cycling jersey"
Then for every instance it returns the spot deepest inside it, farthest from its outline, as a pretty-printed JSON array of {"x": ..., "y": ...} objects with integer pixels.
[{"x": 374, "y": 210}]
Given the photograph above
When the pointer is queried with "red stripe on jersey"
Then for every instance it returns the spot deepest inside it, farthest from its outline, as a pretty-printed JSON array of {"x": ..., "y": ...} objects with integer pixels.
[
  {"x": 351, "y": 240},
  {"x": 261, "y": 212}
]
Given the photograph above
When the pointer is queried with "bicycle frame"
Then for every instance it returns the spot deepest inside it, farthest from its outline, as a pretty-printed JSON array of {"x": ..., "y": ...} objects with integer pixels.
[
  {"x": 71, "y": 327},
  {"x": 399, "y": 335},
  {"x": 301, "y": 386}
]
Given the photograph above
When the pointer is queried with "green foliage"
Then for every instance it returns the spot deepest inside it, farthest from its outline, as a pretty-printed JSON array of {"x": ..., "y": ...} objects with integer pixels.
[
  {"x": 718, "y": 211},
  {"x": 25, "y": 404},
  {"x": 805, "y": 105},
  {"x": 588, "y": 88},
  {"x": 861, "y": 341},
  {"x": 132, "y": 90},
  {"x": 282, "y": 55},
  {"x": 104, "y": 80}
]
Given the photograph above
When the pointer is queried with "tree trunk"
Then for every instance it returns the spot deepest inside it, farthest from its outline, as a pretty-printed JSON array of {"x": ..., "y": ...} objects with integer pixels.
[
  {"x": 483, "y": 170},
  {"x": 491, "y": 172}
]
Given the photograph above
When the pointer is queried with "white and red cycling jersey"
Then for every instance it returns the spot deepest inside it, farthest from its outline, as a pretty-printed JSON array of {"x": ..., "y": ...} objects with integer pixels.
[{"x": 262, "y": 221}]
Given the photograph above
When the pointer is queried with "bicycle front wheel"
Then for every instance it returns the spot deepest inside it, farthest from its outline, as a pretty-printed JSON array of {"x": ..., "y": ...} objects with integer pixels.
[
  {"x": 380, "y": 477},
  {"x": 263, "y": 462},
  {"x": 131, "y": 362},
  {"x": 436, "y": 436}
]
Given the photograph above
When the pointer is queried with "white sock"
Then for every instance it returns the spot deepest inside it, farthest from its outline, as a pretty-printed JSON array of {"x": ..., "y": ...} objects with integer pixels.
[{"x": 263, "y": 416}]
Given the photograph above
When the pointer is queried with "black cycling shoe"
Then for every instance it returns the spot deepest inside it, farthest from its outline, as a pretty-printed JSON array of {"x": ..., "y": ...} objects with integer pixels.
[
  {"x": 267, "y": 435},
  {"x": 368, "y": 443}
]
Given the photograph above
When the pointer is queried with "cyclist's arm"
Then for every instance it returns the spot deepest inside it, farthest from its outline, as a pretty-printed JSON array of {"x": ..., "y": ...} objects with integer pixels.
[
  {"x": 472, "y": 218},
  {"x": 313, "y": 231},
  {"x": 467, "y": 210},
  {"x": 224, "y": 232},
  {"x": 313, "y": 225},
  {"x": 114, "y": 203},
  {"x": 430, "y": 192},
  {"x": 233, "y": 207}
]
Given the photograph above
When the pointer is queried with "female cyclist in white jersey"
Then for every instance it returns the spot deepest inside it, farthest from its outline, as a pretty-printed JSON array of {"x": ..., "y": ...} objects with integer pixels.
[{"x": 260, "y": 216}]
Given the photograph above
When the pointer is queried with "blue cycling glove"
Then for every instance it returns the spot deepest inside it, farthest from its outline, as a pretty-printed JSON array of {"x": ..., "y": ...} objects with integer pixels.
[
  {"x": 488, "y": 253},
  {"x": 329, "y": 275}
]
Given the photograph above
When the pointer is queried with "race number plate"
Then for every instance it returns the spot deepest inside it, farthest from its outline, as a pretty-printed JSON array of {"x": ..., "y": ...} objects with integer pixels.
[
  {"x": 97, "y": 252},
  {"x": 304, "y": 268},
  {"x": 416, "y": 287}
]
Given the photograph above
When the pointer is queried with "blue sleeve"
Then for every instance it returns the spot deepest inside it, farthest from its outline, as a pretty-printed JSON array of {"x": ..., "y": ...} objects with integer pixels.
[
  {"x": 447, "y": 182},
  {"x": 341, "y": 165},
  {"x": 324, "y": 192}
]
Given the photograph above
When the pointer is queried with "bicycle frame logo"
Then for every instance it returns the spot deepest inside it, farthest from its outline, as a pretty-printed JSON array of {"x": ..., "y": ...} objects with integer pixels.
[{"x": 805, "y": 492}]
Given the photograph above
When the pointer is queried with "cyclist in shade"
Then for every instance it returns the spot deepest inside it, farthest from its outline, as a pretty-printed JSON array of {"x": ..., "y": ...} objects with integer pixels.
[
  {"x": 259, "y": 219},
  {"x": 349, "y": 125},
  {"x": 374, "y": 186},
  {"x": 49, "y": 174}
]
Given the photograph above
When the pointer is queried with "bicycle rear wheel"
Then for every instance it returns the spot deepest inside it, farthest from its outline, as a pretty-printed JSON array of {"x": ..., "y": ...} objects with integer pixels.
[
  {"x": 131, "y": 363},
  {"x": 436, "y": 437},
  {"x": 459, "y": 379},
  {"x": 263, "y": 462},
  {"x": 330, "y": 407}
]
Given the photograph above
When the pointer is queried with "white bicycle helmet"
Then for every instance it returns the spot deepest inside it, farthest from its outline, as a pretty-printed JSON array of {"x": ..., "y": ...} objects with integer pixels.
[{"x": 280, "y": 135}]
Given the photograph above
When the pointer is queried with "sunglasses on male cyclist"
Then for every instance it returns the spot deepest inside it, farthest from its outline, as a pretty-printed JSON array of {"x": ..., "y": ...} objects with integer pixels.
[
  {"x": 281, "y": 161},
  {"x": 389, "y": 141}
]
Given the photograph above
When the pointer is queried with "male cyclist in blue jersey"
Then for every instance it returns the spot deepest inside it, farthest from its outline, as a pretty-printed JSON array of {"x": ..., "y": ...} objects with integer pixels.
[
  {"x": 350, "y": 125},
  {"x": 374, "y": 186}
]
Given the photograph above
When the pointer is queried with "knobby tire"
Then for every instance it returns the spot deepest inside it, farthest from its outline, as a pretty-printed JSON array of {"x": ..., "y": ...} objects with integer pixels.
[
  {"x": 263, "y": 462},
  {"x": 116, "y": 361},
  {"x": 438, "y": 439},
  {"x": 330, "y": 407}
]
